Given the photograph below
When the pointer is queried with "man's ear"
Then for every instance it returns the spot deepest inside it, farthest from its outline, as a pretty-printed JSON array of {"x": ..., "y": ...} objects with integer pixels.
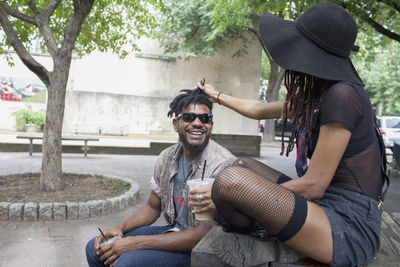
[{"x": 175, "y": 124}]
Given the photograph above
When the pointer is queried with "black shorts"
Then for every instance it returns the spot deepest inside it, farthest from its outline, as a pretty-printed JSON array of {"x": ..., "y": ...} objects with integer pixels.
[{"x": 356, "y": 226}]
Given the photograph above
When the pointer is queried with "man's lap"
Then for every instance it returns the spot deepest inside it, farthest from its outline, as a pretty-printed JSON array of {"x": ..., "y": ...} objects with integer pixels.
[{"x": 152, "y": 257}]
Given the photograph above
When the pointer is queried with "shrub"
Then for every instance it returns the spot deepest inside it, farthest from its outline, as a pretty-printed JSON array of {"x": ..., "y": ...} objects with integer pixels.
[
  {"x": 27, "y": 116},
  {"x": 394, "y": 165}
]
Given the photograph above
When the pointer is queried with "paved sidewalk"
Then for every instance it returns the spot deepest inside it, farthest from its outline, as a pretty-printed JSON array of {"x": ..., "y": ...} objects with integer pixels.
[{"x": 62, "y": 244}]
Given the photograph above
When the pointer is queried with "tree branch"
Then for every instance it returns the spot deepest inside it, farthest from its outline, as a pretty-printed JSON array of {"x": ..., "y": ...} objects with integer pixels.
[
  {"x": 76, "y": 4},
  {"x": 48, "y": 38},
  {"x": 33, "y": 7},
  {"x": 45, "y": 29},
  {"x": 391, "y": 3},
  {"x": 49, "y": 10},
  {"x": 379, "y": 28},
  {"x": 21, "y": 51},
  {"x": 17, "y": 14},
  {"x": 74, "y": 26}
]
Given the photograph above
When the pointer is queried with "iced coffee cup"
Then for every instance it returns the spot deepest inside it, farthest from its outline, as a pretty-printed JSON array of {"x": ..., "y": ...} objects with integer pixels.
[
  {"x": 201, "y": 184},
  {"x": 109, "y": 241}
]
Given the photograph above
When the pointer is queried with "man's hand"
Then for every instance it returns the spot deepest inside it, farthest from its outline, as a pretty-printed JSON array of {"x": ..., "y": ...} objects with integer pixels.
[
  {"x": 110, "y": 253},
  {"x": 108, "y": 233},
  {"x": 206, "y": 204}
]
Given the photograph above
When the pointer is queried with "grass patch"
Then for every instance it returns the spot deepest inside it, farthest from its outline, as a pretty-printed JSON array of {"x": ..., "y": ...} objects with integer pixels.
[{"x": 114, "y": 186}]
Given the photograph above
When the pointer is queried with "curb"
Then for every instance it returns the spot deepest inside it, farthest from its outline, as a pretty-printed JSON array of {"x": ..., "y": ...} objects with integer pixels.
[{"x": 60, "y": 211}]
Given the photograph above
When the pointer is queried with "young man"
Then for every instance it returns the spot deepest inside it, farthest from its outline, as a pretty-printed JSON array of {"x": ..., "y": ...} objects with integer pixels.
[{"x": 140, "y": 244}]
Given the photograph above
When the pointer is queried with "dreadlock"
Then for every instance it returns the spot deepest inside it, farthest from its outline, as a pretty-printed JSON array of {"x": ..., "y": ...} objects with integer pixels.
[
  {"x": 187, "y": 96},
  {"x": 304, "y": 94}
]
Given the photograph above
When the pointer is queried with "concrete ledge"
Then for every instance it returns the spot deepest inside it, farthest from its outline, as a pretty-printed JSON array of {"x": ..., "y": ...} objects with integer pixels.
[
  {"x": 60, "y": 211},
  {"x": 240, "y": 145},
  {"x": 220, "y": 249}
]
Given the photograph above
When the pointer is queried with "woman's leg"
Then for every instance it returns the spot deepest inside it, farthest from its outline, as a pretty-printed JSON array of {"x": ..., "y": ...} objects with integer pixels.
[
  {"x": 261, "y": 169},
  {"x": 241, "y": 193},
  {"x": 241, "y": 221}
]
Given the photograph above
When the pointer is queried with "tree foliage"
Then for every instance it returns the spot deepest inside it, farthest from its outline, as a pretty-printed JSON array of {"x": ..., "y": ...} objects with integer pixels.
[
  {"x": 203, "y": 27},
  {"x": 379, "y": 18},
  {"x": 380, "y": 71},
  {"x": 64, "y": 26},
  {"x": 187, "y": 26},
  {"x": 110, "y": 25}
]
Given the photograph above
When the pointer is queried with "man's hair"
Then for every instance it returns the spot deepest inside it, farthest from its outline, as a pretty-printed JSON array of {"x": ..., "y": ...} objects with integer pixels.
[{"x": 186, "y": 97}]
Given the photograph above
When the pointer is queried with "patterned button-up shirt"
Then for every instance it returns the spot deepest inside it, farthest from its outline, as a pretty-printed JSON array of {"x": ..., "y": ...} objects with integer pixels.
[{"x": 166, "y": 169}]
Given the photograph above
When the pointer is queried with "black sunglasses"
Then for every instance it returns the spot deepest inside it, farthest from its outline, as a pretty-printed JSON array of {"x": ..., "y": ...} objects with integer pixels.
[{"x": 190, "y": 117}]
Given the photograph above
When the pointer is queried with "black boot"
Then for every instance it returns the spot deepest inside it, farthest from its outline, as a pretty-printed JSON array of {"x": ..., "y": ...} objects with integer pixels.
[{"x": 255, "y": 229}]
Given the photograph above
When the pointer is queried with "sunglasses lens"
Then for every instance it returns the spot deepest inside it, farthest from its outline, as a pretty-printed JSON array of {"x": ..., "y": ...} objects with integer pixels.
[
  {"x": 204, "y": 118},
  {"x": 190, "y": 117}
]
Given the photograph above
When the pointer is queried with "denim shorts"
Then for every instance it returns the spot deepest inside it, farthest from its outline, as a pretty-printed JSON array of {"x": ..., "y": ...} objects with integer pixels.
[{"x": 356, "y": 226}]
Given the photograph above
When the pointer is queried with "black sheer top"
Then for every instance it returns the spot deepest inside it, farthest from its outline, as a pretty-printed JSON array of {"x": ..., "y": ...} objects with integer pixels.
[{"x": 360, "y": 167}]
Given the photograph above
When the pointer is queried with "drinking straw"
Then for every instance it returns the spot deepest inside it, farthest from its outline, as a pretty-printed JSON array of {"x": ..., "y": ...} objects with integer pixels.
[
  {"x": 101, "y": 232},
  {"x": 204, "y": 169}
]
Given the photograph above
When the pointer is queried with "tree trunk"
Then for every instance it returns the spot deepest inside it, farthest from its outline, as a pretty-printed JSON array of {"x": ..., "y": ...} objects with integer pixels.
[
  {"x": 50, "y": 179},
  {"x": 274, "y": 83}
]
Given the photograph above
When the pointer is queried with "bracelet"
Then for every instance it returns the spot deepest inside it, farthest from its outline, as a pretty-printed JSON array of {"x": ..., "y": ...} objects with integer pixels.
[{"x": 219, "y": 103}]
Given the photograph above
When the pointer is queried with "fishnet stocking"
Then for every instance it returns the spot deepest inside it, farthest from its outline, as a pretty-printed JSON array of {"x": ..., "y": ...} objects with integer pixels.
[
  {"x": 259, "y": 168},
  {"x": 238, "y": 191}
]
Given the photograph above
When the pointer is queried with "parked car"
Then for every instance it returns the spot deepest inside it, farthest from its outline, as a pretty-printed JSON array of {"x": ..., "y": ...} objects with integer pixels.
[
  {"x": 390, "y": 130},
  {"x": 279, "y": 126}
]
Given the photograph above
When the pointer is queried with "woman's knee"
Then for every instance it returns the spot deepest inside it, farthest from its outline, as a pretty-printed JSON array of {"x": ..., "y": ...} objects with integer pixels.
[
  {"x": 241, "y": 162},
  {"x": 229, "y": 177},
  {"x": 227, "y": 180}
]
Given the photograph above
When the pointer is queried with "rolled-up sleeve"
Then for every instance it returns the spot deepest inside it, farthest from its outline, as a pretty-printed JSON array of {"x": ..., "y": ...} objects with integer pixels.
[
  {"x": 155, "y": 187},
  {"x": 155, "y": 179}
]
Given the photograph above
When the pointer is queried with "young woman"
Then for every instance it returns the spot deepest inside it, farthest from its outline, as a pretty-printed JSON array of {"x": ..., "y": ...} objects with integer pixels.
[{"x": 332, "y": 212}]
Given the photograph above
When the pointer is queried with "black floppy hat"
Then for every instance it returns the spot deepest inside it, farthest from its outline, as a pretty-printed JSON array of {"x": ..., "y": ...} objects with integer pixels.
[{"x": 317, "y": 43}]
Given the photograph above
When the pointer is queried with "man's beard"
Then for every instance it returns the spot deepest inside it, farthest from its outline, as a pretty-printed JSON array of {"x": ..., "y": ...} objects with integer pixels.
[{"x": 193, "y": 148}]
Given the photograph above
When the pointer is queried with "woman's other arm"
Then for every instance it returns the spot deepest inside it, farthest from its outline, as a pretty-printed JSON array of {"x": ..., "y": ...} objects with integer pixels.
[{"x": 332, "y": 142}]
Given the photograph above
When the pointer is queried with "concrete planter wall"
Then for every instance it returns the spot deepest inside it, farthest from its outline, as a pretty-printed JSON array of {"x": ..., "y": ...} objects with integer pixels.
[
  {"x": 32, "y": 128},
  {"x": 60, "y": 211}
]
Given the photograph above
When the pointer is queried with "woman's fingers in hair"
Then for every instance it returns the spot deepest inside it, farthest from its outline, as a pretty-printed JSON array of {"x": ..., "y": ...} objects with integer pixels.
[{"x": 210, "y": 91}]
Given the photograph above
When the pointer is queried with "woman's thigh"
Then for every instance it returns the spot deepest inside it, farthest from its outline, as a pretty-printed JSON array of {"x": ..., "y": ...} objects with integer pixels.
[{"x": 315, "y": 237}]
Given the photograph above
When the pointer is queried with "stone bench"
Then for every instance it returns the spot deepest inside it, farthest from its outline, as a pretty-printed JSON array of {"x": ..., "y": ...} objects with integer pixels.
[
  {"x": 72, "y": 138},
  {"x": 220, "y": 249}
]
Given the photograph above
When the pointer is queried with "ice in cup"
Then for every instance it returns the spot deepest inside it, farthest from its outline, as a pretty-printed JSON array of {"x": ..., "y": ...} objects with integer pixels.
[
  {"x": 109, "y": 241},
  {"x": 199, "y": 184}
]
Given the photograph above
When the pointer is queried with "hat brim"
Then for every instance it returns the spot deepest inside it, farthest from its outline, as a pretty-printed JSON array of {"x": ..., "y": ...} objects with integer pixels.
[{"x": 291, "y": 50}]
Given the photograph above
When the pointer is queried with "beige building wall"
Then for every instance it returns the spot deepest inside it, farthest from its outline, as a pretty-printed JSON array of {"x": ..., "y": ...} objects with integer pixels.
[{"x": 132, "y": 95}]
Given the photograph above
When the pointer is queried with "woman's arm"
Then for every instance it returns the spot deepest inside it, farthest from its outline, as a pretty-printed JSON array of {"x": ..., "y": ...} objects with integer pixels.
[
  {"x": 250, "y": 108},
  {"x": 332, "y": 142}
]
